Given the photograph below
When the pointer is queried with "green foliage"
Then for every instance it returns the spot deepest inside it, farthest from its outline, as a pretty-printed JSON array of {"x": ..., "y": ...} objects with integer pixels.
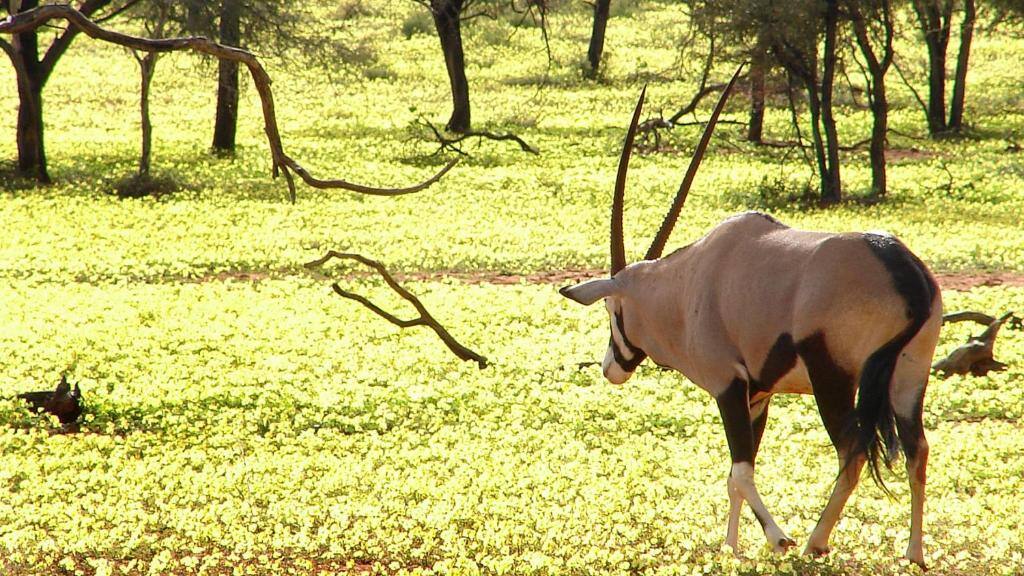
[
  {"x": 417, "y": 21},
  {"x": 142, "y": 185},
  {"x": 243, "y": 419}
]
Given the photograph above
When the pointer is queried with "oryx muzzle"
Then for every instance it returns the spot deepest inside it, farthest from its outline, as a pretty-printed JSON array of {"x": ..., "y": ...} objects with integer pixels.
[{"x": 755, "y": 308}]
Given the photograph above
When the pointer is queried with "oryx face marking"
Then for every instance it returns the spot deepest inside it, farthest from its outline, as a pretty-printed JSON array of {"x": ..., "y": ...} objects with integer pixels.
[{"x": 622, "y": 357}]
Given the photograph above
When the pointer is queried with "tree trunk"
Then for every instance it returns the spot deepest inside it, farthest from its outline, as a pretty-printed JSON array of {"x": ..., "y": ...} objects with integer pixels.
[
  {"x": 758, "y": 68},
  {"x": 877, "y": 69},
  {"x": 956, "y": 108},
  {"x": 446, "y": 19},
  {"x": 879, "y": 128},
  {"x": 31, "y": 78},
  {"x": 933, "y": 21},
  {"x": 601, "y": 8},
  {"x": 831, "y": 184},
  {"x": 814, "y": 104},
  {"x": 226, "y": 124},
  {"x": 147, "y": 67}
]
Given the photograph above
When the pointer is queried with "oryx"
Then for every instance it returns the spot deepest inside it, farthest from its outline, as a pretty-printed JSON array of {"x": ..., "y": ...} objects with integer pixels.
[{"x": 756, "y": 308}]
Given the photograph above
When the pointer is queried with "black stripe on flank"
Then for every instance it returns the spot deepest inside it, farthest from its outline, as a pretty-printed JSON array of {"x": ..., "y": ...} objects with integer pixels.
[
  {"x": 637, "y": 355},
  {"x": 834, "y": 390},
  {"x": 780, "y": 360}
]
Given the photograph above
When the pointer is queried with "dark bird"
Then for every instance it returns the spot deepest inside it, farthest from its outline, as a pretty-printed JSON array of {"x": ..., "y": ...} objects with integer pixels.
[{"x": 63, "y": 402}]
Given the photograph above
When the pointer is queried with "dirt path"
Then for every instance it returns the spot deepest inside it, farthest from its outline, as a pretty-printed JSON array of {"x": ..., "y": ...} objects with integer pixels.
[{"x": 959, "y": 281}]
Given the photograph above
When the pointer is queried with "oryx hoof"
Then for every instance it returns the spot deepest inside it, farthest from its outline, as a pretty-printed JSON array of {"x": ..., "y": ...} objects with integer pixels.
[
  {"x": 816, "y": 551},
  {"x": 783, "y": 544},
  {"x": 916, "y": 556},
  {"x": 917, "y": 559}
]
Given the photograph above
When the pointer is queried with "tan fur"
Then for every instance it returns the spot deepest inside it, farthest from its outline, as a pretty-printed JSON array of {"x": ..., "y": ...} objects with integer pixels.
[{"x": 730, "y": 295}]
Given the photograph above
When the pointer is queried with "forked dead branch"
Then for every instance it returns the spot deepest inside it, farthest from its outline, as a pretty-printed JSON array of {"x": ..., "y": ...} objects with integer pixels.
[
  {"x": 976, "y": 356},
  {"x": 282, "y": 162},
  {"x": 424, "y": 318}
]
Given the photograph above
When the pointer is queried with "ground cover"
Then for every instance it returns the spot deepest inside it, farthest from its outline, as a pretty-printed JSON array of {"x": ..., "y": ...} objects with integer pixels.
[{"x": 242, "y": 419}]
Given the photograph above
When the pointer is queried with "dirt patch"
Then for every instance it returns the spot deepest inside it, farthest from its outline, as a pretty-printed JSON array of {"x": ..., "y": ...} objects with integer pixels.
[
  {"x": 959, "y": 281},
  {"x": 963, "y": 281},
  {"x": 907, "y": 154}
]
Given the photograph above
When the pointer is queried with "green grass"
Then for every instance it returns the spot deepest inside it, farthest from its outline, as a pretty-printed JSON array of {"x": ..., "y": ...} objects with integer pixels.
[{"x": 266, "y": 426}]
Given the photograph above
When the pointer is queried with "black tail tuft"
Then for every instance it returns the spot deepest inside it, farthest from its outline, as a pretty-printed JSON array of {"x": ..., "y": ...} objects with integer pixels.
[{"x": 875, "y": 423}]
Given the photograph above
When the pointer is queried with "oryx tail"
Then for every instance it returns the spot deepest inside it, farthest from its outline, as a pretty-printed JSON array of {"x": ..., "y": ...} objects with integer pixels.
[{"x": 876, "y": 435}]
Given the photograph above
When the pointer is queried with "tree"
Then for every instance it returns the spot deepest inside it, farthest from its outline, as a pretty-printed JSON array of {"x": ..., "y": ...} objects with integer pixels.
[
  {"x": 801, "y": 36},
  {"x": 867, "y": 17},
  {"x": 596, "y": 48},
  {"x": 277, "y": 26},
  {"x": 759, "y": 64},
  {"x": 935, "y": 19},
  {"x": 32, "y": 72},
  {"x": 155, "y": 16},
  {"x": 30, "y": 20},
  {"x": 448, "y": 16},
  {"x": 226, "y": 123}
]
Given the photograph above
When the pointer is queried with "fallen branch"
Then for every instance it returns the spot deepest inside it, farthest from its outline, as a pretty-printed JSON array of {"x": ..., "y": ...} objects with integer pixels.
[
  {"x": 968, "y": 316},
  {"x": 451, "y": 143},
  {"x": 424, "y": 318},
  {"x": 282, "y": 163},
  {"x": 976, "y": 356}
]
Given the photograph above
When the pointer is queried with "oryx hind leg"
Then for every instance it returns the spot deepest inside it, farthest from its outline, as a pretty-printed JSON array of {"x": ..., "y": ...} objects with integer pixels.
[
  {"x": 733, "y": 403},
  {"x": 908, "y": 387},
  {"x": 834, "y": 392}
]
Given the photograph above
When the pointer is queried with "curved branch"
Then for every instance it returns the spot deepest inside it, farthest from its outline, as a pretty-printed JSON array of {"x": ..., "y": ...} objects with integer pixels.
[
  {"x": 424, "y": 318},
  {"x": 968, "y": 315},
  {"x": 282, "y": 163}
]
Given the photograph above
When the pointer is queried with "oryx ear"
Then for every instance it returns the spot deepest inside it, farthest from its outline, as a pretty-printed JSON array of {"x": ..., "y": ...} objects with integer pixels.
[{"x": 591, "y": 291}]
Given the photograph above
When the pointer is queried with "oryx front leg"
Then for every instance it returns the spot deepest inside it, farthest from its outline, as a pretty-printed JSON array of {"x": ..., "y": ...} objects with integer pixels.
[{"x": 733, "y": 403}]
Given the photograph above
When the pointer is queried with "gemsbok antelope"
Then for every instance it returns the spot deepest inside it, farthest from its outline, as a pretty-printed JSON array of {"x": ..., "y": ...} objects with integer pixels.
[{"x": 756, "y": 308}]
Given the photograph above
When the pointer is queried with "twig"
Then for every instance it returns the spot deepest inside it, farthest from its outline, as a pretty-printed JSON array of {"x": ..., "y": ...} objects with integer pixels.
[
  {"x": 917, "y": 96},
  {"x": 451, "y": 143},
  {"x": 282, "y": 163},
  {"x": 424, "y": 318}
]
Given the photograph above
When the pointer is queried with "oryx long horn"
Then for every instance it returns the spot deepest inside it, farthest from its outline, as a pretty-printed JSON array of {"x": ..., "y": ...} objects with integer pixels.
[
  {"x": 658, "y": 245},
  {"x": 618, "y": 246}
]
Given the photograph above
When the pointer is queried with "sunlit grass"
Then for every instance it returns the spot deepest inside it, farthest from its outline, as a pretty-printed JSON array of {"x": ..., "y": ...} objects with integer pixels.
[{"x": 243, "y": 419}]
